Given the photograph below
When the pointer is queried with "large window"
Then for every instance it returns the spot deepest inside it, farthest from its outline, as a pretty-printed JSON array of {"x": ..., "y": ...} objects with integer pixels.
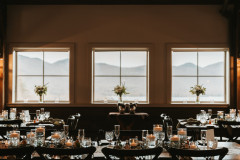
[
  {"x": 113, "y": 67},
  {"x": 207, "y": 67},
  {"x": 47, "y": 66}
]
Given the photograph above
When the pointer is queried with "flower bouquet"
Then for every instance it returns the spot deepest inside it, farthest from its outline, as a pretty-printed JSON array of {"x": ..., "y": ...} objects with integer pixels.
[
  {"x": 40, "y": 90},
  {"x": 120, "y": 90},
  {"x": 198, "y": 89}
]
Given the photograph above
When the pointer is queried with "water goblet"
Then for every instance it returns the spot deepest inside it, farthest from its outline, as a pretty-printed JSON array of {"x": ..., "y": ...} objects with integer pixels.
[
  {"x": 47, "y": 115},
  {"x": 109, "y": 136}
]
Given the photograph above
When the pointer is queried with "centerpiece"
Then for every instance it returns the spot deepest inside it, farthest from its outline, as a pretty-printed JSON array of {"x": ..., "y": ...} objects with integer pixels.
[
  {"x": 40, "y": 91},
  {"x": 120, "y": 90},
  {"x": 198, "y": 89}
]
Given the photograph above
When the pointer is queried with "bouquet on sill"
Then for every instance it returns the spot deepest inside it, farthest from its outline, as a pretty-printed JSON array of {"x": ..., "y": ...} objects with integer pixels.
[
  {"x": 40, "y": 90},
  {"x": 120, "y": 90},
  {"x": 198, "y": 89}
]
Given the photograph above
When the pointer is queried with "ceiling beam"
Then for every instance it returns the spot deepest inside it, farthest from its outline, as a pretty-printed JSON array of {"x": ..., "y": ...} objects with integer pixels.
[{"x": 115, "y": 2}]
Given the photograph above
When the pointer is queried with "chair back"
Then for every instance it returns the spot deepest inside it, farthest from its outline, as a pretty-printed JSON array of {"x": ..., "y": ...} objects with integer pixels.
[
  {"x": 62, "y": 151},
  {"x": 197, "y": 153},
  {"x": 20, "y": 153},
  {"x": 225, "y": 131},
  {"x": 121, "y": 153}
]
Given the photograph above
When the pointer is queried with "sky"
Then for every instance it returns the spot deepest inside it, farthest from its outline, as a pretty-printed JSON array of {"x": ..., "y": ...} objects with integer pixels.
[
  {"x": 205, "y": 58},
  {"x": 50, "y": 57},
  {"x": 129, "y": 58}
]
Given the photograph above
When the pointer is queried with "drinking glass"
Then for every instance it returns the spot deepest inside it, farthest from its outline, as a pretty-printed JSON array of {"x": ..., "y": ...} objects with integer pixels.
[
  {"x": 209, "y": 113},
  {"x": 15, "y": 138},
  {"x": 213, "y": 143},
  {"x": 109, "y": 136},
  {"x": 117, "y": 131},
  {"x": 144, "y": 135},
  {"x": 203, "y": 136},
  {"x": 5, "y": 114},
  {"x": 66, "y": 130},
  {"x": 87, "y": 142},
  {"x": 13, "y": 112},
  {"x": 37, "y": 113},
  {"x": 47, "y": 115},
  {"x": 169, "y": 131},
  {"x": 203, "y": 120},
  {"x": 81, "y": 134},
  {"x": 42, "y": 110}
]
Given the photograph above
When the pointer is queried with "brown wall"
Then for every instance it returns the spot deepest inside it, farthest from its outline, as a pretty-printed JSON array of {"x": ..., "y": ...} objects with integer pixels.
[{"x": 158, "y": 25}]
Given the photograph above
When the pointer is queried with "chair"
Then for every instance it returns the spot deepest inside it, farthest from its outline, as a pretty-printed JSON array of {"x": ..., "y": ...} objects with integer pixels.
[
  {"x": 197, "y": 153},
  {"x": 61, "y": 151},
  {"x": 225, "y": 128},
  {"x": 20, "y": 153},
  {"x": 121, "y": 153}
]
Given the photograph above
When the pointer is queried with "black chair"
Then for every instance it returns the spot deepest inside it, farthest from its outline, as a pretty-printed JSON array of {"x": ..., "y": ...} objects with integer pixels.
[
  {"x": 226, "y": 129},
  {"x": 121, "y": 153},
  {"x": 62, "y": 152},
  {"x": 197, "y": 153},
  {"x": 20, "y": 153}
]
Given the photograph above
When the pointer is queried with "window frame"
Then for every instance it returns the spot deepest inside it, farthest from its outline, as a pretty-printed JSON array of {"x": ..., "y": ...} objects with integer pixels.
[
  {"x": 120, "y": 49},
  {"x": 38, "y": 47},
  {"x": 198, "y": 48}
]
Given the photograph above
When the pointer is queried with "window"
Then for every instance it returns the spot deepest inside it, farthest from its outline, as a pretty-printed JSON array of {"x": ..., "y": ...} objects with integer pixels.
[
  {"x": 207, "y": 67},
  {"x": 113, "y": 67},
  {"x": 49, "y": 66}
]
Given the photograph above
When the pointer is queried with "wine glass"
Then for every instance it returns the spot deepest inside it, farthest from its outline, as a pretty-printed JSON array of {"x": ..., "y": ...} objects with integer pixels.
[
  {"x": 203, "y": 120},
  {"x": 144, "y": 135},
  {"x": 109, "y": 136},
  {"x": 81, "y": 134},
  {"x": 203, "y": 136},
  {"x": 47, "y": 115},
  {"x": 117, "y": 131},
  {"x": 66, "y": 130},
  {"x": 209, "y": 113}
]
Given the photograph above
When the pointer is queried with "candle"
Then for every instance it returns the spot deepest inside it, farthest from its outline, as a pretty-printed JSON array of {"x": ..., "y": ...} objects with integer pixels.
[
  {"x": 157, "y": 128},
  {"x": 133, "y": 143},
  {"x": 193, "y": 146},
  {"x": 182, "y": 132},
  {"x": 40, "y": 129},
  {"x": 56, "y": 136},
  {"x": 68, "y": 143},
  {"x": 227, "y": 116},
  {"x": 14, "y": 134},
  {"x": 175, "y": 138},
  {"x": 232, "y": 111},
  {"x": 31, "y": 134},
  {"x": 151, "y": 137}
]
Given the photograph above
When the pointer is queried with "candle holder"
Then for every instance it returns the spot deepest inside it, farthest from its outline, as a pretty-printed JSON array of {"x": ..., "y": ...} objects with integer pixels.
[
  {"x": 228, "y": 117},
  {"x": 193, "y": 145},
  {"x": 220, "y": 115},
  {"x": 133, "y": 143},
  {"x": 182, "y": 133},
  {"x": 233, "y": 114},
  {"x": 40, "y": 136},
  {"x": 175, "y": 141},
  {"x": 151, "y": 140},
  {"x": 30, "y": 138},
  {"x": 5, "y": 114},
  {"x": 14, "y": 138},
  {"x": 13, "y": 113},
  {"x": 56, "y": 137},
  {"x": 87, "y": 142}
]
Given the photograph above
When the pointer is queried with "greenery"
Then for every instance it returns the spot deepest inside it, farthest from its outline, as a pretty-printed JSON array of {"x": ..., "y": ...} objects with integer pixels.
[
  {"x": 120, "y": 90},
  {"x": 198, "y": 89},
  {"x": 40, "y": 90}
]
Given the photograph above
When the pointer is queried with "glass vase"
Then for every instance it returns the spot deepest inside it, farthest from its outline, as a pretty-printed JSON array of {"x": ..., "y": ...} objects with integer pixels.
[
  {"x": 40, "y": 99},
  {"x": 197, "y": 100}
]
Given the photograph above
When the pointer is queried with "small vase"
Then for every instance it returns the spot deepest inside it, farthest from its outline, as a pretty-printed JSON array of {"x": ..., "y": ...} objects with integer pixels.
[
  {"x": 40, "y": 100},
  {"x": 197, "y": 100},
  {"x": 120, "y": 99}
]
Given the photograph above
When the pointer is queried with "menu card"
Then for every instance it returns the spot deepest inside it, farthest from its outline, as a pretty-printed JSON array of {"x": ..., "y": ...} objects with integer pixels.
[{"x": 209, "y": 136}]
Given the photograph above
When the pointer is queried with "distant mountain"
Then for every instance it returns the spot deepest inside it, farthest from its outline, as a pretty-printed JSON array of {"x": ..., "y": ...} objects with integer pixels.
[
  {"x": 33, "y": 66},
  {"x": 191, "y": 69},
  {"x": 105, "y": 69}
]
